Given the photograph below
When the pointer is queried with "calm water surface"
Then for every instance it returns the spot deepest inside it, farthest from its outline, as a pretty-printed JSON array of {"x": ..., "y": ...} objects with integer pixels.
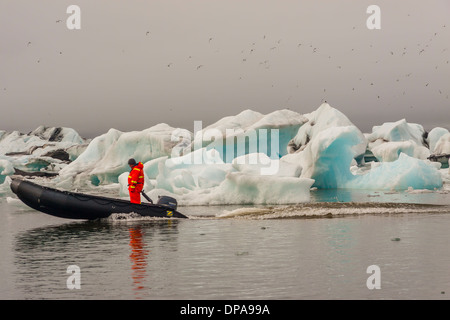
[{"x": 224, "y": 253}]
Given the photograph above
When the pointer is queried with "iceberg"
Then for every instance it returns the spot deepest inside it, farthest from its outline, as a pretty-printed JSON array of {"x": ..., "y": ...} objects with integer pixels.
[
  {"x": 6, "y": 169},
  {"x": 323, "y": 118},
  {"x": 249, "y": 132},
  {"x": 439, "y": 141},
  {"x": 41, "y": 150},
  {"x": 218, "y": 182},
  {"x": 443, "y": 145},
  {"x": 325, "y": 147},
  {"x": 327, "y": 158},
  {"x": 250, "y": 158},
  {"x": 329, "y": 144},
  {"x": 390, "y": 151},
  {"x": 242, "y": 188},
  {"x": 38, "y": 142},
  {"x": 106, "y": 156},
  {"x": 434, "y": 136},
  {"x": 180, "y": 176},
  {"x": 389, "y": 140},
  {"x": 402, "y": 174}
]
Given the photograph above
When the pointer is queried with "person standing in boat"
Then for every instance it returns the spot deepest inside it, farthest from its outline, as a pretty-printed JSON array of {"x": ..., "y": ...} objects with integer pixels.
[{"x": 135, "y": 180}]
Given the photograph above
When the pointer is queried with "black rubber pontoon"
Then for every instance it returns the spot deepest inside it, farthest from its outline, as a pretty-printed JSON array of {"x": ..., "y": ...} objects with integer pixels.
[{"x": 71, "y": 205}]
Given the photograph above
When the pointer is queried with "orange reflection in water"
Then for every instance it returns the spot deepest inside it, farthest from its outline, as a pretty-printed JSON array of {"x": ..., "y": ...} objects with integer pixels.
[{"x": 138, "y": 258}]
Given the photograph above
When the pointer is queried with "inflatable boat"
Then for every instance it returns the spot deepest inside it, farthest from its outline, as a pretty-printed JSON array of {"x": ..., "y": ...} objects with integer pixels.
[{"x": 71, "y": 205}]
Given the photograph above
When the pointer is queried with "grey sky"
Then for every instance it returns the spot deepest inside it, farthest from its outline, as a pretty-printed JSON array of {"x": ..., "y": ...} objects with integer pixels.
[{"x": 255, "y": 54}]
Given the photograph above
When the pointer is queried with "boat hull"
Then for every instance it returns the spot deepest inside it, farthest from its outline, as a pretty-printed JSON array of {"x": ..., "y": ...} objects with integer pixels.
[{"x": 71, "y": 205}]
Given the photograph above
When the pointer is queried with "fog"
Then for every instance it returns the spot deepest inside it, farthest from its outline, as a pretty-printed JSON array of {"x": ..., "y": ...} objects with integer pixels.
[{"x": 134, "y": 64}]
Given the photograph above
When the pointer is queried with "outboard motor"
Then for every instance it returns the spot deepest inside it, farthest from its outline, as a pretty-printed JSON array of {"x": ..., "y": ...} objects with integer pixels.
[{"x": 167, "y": 202}]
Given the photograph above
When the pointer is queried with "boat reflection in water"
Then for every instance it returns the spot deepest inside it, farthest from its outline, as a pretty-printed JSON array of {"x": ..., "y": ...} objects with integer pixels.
[
  {"x": 113, "y": 257},
  {"x": 138, "y": 258}
]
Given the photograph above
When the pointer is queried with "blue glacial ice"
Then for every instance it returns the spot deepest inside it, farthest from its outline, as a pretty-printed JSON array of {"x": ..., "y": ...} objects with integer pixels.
[{"x": 250, "y": 158}]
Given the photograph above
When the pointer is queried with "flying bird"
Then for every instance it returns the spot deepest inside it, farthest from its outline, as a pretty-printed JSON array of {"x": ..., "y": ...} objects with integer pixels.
[{"x": 199, "y": 66}]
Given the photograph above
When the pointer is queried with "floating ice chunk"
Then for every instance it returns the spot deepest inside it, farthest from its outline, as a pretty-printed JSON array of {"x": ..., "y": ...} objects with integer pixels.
[
  {"x": 107, "y": 156},
  {"x": 328, "y": 156},
  {"x": 433, "y": 137},
  {"x": 443, "y": 145},
  {"x": 241, "y": 188},
  {"x": 201, "y": 156},
  {"x": 398, "y": 131},
  {"x": 76, "y": 150},
  {"x": 261, "y": 164},
  {"x": 401, "y": 174},
  {"x": 392, "y": 138},
  {"x": 40, "y": 141},
  {"x": 327, "y": 159},
  {"x": 213, "y": 183},
  {"x": 6, "y": 169},
  {"x": 151, "y": 167},
  {"x": 249, "y": 132},
  {"x": 40, "y": 150},
  {"x": 58, "y": 134},
  {"x": 323, "y": 118},
  {"x": 390, "y": 151},
  {"x": 181, "y": 175}
]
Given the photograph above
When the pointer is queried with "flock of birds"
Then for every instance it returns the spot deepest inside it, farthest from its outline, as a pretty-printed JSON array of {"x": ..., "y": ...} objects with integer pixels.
[{"x": 422, "y": 48}]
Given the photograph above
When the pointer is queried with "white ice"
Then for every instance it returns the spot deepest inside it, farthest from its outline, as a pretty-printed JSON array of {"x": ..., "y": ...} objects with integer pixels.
[
  {"x": 391, "y": 139},
  {"x": 321, "y": 149},
  {"x": 434, "y": 136}
]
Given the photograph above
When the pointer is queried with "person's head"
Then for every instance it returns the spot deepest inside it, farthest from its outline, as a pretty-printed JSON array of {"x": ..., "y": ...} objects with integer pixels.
[{"x": 132, "y": 162}]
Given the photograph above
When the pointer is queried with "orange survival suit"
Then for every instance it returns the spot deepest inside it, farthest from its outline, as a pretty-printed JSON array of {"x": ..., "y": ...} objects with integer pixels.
[{"x": 136, "y": 182}]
